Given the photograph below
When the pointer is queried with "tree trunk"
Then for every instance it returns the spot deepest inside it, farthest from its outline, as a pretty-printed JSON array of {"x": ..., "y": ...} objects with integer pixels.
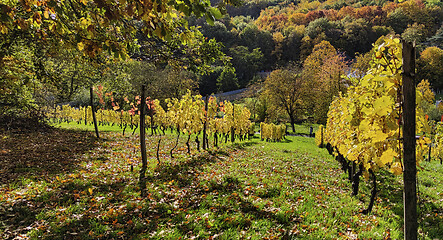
[
  {"x": 197, "y": 142},
  {"x": 292, "y": 122}
]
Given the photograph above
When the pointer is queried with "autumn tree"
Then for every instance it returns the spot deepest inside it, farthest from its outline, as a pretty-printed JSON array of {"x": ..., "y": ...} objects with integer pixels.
[
  {"x": 361, "y": 65},
  {"x": 323, "y": 70},
  {"x": 430, "y": 66},
  {"x": 97, "y": 28},
  {"x": 287, "y": 91}
]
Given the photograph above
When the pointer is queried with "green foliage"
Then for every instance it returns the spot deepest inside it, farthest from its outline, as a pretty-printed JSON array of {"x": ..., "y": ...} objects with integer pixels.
[
  {"x": 227, "y": 81},
  {"x": 246, "y": 63},
  {"x": 17, "y": 83}
]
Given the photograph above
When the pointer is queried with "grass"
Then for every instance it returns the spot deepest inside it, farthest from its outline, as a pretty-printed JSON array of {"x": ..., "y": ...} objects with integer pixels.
[
  {"x": 252, "y": 189},
  {"x": 89, "y": 127}
]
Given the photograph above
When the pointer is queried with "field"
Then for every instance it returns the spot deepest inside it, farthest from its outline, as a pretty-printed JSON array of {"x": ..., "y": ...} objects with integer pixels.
[{"x": 65, "y": 184}]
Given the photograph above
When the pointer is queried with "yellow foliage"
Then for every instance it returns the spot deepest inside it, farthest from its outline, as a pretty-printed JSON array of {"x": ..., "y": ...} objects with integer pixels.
[{"x": 363, "y": 124}]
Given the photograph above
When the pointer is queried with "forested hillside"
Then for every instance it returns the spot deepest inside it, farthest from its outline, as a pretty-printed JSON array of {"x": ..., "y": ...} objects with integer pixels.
[{"x": 267, "y": 35}]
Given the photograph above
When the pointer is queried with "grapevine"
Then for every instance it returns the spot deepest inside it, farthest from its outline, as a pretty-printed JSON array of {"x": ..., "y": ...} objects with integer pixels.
[{"x": 364, "y": 125}]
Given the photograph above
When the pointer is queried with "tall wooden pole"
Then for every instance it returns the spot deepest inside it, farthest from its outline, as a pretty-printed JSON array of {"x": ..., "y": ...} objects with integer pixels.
[
  {"x": 410, "y": 170},
  {"x": 205, "y": 124},
  {"x": 93, "y": 111},
  {"x": 232, "y": 127},
  {"x": 142, "y": 179}
]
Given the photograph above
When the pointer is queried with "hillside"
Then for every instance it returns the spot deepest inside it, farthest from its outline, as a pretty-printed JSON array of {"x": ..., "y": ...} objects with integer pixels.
[{"x": 266, "y": 35}]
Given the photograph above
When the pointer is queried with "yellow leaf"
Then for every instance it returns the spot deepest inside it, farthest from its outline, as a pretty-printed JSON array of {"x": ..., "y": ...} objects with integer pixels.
[
  {"x": 396, "y": 168},
  {"x": 383, "y": 105},
  {"x": 84, "y": 22},
  {"x": 388, "y": 156},
  {"x": 80, "y": 46},
  {"x": 90, "y": 191},
  {"x": 46, "y": 14},
  {"x": 379, "y": 136}
]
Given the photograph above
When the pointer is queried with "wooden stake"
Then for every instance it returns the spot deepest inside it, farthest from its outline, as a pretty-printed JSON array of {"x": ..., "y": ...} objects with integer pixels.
[
  {"x": 410, "y": 170},
  {"x": 142, "y": 178},
  {"x": 93, "y": 112}
]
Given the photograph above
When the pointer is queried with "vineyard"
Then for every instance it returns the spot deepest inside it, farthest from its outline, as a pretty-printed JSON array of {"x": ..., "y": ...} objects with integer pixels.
[
  {"x": 110, "y": 128},
  {"x": 189, "y": 116},
  {"x": 365, "y": 130}
]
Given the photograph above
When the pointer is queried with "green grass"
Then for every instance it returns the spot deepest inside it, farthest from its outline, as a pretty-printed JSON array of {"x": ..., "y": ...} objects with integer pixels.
[
  {"x": 301, "y": 129},
  {"x": 252, "y": 189},
  {"x": 89, "y": 127}
]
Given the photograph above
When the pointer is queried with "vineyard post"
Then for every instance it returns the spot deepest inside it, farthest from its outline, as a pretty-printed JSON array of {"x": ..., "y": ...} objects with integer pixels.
[
  {"x": 232, "y": 127},
  {"x": 142, "y": 179},
  {"x": 205, "y": 139},
  {"x": 321, "y": 137},
  {"x": 93, "y": 111},
  {"x": 55, "y": 113},
  {"x": 410, "y": 170}
]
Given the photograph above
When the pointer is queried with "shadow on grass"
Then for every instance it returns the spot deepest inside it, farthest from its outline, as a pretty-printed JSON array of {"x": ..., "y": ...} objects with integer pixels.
[
  {"x": 183, "y": 172},
  {"x": 36, "y": 154},
  {"x": 390, "y": 194},
  {"x": 32, "y": 154},
  {"x": 52, "y": 206},
  {"x": 242, "y": 145}
]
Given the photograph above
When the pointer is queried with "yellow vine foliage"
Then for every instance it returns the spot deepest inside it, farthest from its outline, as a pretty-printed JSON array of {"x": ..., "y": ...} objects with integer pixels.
[
  {"x": 364, "y": 125},
  {"x": 320, "y": 137},
  {"x": 186, "y": 115},
  {"x": 272, "y": 132}
]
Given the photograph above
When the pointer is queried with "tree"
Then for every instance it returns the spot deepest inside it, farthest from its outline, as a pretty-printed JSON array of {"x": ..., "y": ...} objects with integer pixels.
[
  {"x": 96, "y": 26},
  {"x": 253, "y": 38},
  {"x": 246, "y": 63},
  {"x": 415, "y": 33},
  {"x": 361, "y": 65},
  {"x": 437, "y": 39},
  {"x": 208, "y": 81},
  {"x": 98, "y": 30},
  {"x": 323, "y": 70},
  {"x": 288, "y": 91},
  {"x": 430, "y": 66},
  {"x": 227, "y": 81},
  {"x": 398, "y": 20}
]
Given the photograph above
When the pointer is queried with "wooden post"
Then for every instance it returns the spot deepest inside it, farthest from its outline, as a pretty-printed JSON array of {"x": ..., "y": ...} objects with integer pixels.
[
  {"x": 410, "y": 170},
  {"x": 321, "y": 137},
  {"x": 93, "y": 112},
  {"x": 142, "y": 179},
  {"x": 232, "y": 127},
  {"x": 205, "y": 138}
]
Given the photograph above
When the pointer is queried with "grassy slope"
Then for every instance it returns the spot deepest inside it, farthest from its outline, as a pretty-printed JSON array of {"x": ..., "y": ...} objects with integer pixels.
[{"x": 253, "y": 189}]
